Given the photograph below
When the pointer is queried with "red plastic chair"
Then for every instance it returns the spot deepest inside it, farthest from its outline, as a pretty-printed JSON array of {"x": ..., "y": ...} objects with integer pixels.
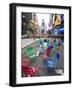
[
  {"x": 48, "y": 51},
  {"x": 30, "y": 71}
]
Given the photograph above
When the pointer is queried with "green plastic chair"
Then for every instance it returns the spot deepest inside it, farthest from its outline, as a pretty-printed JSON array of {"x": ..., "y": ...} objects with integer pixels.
[
  {"x": 55, "y": 45},
  {"x": 31, "y": 52}
]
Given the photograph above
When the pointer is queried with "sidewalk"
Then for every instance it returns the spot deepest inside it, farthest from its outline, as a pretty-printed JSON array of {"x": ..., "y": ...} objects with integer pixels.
[{"x": 26, "y": 42}]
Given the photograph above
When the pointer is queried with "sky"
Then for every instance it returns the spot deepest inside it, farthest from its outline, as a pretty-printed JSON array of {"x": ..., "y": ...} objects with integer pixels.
[{"x": 45, "y": 17}]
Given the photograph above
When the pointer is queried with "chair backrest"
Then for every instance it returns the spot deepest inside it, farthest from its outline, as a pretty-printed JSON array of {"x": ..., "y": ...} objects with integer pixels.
[{"x": 31, "y": 52}]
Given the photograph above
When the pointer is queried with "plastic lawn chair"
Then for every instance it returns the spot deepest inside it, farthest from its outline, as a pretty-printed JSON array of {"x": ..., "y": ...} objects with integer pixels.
[
  {"x": 30, "y": 71},
  {"x": 55, "y": 45},
  {"x": 53, "y": 61},
  {"x": 31, "y": 52},
  {"x": 48, "y": 43},
  {"x": 48, "y": 51},
  {"x": 50, "y": 62},
  {"x": 41, "y": 49},
  {"x": 45, "y": 45},
  {"x": 40, "y": 41},
  {"x": 58, "y": 56},
  {"x": 53, "y": 52}
]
